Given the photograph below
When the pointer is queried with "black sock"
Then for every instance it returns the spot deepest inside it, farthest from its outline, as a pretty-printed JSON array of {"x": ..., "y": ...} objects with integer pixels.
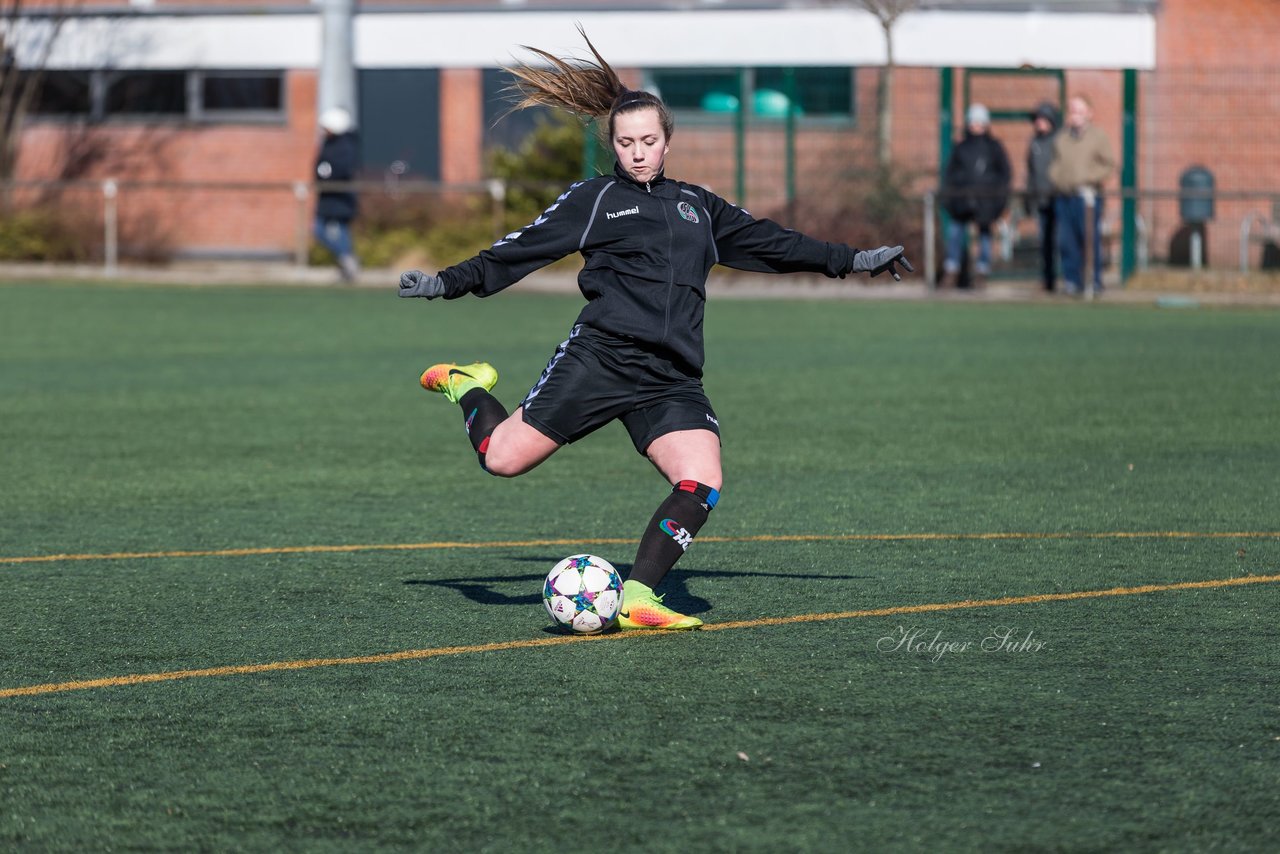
[
  {"x": 671, "y": 530},
  {"x": 483, "y": 414}
]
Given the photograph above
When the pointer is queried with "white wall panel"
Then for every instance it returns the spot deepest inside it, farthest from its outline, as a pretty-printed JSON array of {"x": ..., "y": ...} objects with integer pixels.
[{"x": 831, "y": 36}]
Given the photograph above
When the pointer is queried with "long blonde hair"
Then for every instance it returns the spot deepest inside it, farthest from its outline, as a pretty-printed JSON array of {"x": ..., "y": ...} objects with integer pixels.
[{"x": 585, "y": 88}]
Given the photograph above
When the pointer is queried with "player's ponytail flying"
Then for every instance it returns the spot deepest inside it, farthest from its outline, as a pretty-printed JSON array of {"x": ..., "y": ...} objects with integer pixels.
[{"x": 587, "y": 89}]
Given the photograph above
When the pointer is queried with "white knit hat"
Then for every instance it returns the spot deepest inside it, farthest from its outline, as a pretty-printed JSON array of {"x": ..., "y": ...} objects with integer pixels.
[
  {"x": 335, "y": 120},
  {"x": 978, "y": 115}
]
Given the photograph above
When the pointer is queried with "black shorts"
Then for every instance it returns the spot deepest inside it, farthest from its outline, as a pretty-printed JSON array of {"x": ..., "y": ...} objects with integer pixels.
[{"x": 595, "y": 377}]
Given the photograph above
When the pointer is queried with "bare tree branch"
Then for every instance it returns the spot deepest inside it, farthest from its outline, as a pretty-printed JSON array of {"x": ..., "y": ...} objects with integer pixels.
[
  {"x": 20, "y": 79},
  {"x": 887, "y": 13}
]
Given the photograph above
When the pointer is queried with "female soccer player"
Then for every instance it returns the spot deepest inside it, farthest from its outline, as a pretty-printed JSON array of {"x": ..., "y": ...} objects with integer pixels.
[{"x": 636, "y": 351}]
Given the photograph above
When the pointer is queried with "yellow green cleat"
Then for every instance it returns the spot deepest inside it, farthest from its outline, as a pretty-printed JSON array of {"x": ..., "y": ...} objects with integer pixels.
[
  {"x": 453, "y": 381},
  {"x": 643, "y": 609}
]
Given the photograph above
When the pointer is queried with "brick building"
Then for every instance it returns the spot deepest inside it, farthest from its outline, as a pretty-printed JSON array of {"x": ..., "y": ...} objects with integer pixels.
[{"x": 204, "y": 112}]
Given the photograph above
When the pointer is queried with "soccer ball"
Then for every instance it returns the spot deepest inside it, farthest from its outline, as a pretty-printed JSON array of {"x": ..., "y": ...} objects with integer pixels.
[{"x": 583, "y": 593}]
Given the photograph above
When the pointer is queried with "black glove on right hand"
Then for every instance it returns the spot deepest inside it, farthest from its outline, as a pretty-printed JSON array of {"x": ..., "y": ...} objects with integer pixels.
[
  {"x": 416, "y": 283},
  {"x": 877, "y": 261}
]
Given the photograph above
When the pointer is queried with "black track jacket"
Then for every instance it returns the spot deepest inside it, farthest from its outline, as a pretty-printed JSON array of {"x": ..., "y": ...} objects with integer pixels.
[
  {"x": 336, "y": 164},
  {"x": 648, "y": 250}
]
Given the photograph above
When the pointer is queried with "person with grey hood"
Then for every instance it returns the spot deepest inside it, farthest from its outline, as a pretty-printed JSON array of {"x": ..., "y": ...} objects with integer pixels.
[{"x": 1039, "y": 198}]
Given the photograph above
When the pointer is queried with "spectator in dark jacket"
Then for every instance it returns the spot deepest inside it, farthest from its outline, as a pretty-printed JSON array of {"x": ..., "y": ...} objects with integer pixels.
[
  {"x": 1040, "y": 189},
  {"x": 336, "y": 208},
  {"x": 975, "y": 190}
]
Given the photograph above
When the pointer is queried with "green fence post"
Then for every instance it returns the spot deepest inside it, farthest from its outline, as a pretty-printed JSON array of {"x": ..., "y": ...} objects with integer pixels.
[
  {"x": 1129, "y": 178},
  {"x": 590, "y": 151},
  {"x": 740, "y": 138},
  {"x": 789, "y": 84},
  {"x": 946, "y": 131}
]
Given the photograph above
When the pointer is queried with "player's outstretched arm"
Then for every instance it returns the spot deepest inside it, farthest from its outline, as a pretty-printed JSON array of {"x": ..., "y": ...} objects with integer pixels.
[
  {"x": 760, "y": 245},
  {"x": 559, "y": 231}
]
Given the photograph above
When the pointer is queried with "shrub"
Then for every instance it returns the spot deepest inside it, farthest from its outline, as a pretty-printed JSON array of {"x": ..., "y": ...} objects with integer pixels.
[
  {"x": 549, "y": 159},
  {"x": 45, "y": 234},
  {"x": 433, "y": 230}
]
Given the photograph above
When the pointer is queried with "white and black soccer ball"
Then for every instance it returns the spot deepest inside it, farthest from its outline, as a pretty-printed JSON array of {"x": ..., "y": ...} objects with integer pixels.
[{"x": 583, "y": 593}]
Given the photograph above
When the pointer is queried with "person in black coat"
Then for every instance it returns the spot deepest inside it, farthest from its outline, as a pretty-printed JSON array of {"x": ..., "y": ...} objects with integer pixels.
[
  {"x": 336, "y": 163},
  {"x": 975, "y": 190}
]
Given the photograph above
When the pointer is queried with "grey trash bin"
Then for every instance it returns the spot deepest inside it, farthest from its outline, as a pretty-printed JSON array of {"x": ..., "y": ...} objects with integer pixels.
[{"x": 1195, "y": 199}]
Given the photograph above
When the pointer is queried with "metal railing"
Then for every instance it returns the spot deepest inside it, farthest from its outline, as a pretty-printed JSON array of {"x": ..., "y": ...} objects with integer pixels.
[
  {"x": 289, "y": 207},
  {"x": 1160, "y": 234},
  {"x": 1157, "y": 235},
  {"x": 1268, "y": 232}
]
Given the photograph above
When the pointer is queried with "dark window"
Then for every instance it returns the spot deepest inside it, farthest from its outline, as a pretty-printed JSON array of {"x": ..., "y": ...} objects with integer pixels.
[
  {"x": 819, "y": 91},
  {"x": 712, "y": 90},
  {"x": 223, "y": 96},
  {"x": 502, "y": 125},
  {"x": 400, "y": 122},
  {"x": 147, "y": 93},
  {"x": 62, "y": 93},
  {"x": 241, "y": 93}
]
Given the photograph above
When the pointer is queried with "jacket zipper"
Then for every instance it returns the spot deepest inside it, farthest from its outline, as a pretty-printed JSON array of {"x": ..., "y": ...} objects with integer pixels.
[{"x": 671, "y": 271}]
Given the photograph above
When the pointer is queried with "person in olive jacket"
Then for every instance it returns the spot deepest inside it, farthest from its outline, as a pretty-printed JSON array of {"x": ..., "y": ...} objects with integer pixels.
[
  {"x": 1082, "y": 163},
  {"x": 975, "y": 189}
]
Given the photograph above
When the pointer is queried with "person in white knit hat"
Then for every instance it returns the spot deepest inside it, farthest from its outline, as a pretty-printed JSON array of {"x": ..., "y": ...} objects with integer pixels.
[
  {"x": 975, "y": 189},
  {"x": 336, "y": 208}
]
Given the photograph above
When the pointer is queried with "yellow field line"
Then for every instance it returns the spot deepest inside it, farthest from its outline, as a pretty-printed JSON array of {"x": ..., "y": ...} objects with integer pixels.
[
  {"x": 417, "y": 654},
  {"x": 611, "y": 541}
]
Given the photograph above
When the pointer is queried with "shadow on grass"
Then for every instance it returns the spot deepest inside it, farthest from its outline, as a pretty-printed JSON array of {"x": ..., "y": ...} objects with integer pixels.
[{"x": 489, "y": 590}]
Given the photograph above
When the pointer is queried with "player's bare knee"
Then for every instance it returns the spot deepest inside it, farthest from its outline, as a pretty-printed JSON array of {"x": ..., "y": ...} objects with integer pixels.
[{"x": 498, "y": 461}]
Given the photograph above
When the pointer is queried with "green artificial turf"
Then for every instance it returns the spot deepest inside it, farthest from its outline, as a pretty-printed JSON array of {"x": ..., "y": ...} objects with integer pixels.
[{"x": 292, "y": 494}]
